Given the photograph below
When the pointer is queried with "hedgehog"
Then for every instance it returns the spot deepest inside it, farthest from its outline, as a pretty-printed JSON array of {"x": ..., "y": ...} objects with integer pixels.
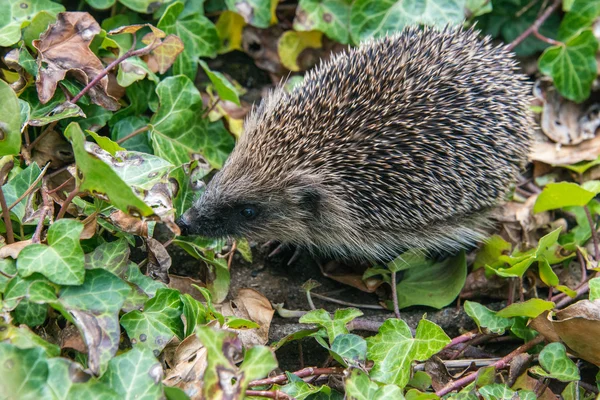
[{"x": 407, "y": 141}]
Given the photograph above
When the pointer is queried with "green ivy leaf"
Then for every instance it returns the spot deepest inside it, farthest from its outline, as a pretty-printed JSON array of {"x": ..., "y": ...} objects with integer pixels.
[
  {"x": 580, "y": 16},
  {"x": 18, "y": 14},
  {"x": 259, "y": 13},
  {"x": 292, "y": 43},
  {"x": 135, "y": 375},
  {"x": 99, "y": 177},
  {"x": 23, "y": 372},
  {"x": 54, "y": 110},
  {"x": 143, "y": 6},
  {"x": 530, "y": 308},
  {"x": 491, "y": 250},
  {"x": 572, "y": 65},
  {"x": 594, "y": 289},
  {"x": 111, "y": 256},
  {"x": 10, "y": 121},
  {"x": 374, "y": 19},
  {"x": 499, "y": 391},
  {"x": 486, "y": 318},
  {"x": 128, "y": 125},
  {"x": 554, "y": 360},
  {"x": 158, "y": 323},
  {"x": 65, "y": 380},
  {"x": 224, "y": 88},
  {"x": 433, "y": 283},
  {"x": 95, "y": 307},
  {"x": 393, "y": 349},
  {"x": 258, "y": 362},
  {"x": 198, "y": 34},
  {"x": 562, "y": 194},
  {"x": 360, "y": 387},
  {"x": 17, "y": 186},
  {"x": 335, "y": 326},
  {"x": 24, "y": 338},
  {"x": 62, "y": 260},
  {"x": 350, "y": 349},
  {"x": 300, "y": 390},
  {"x": 148, "y": 285},
  {"x": 332, "y": 17},
  {"x": 176, "y": 131}
]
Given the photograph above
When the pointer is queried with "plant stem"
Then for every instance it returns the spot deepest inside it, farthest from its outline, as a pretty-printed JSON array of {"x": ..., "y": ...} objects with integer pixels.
[
  {"x": 268, "y": 394},
  {"x": 10, "y": 235},
  {"x": 46, "y": 131},
  {"x": 502, "y": 363},
  {"x": 134, "y": 133},
  {"x": 303, "y": 373},
  {"x": 129, "y": 53},
  {"x": 536, "y": 25},
  {"x": 345, "y": 303},
  {"x": 65, "y": 205},
  {"x": 394, "y": 294}
]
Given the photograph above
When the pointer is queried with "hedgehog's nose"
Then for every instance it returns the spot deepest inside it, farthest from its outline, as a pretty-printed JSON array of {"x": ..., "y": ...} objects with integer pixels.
[{"x": 184, "y": 225}]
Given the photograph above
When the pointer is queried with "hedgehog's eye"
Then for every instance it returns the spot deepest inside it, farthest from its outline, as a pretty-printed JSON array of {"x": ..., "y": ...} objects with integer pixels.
[{"x": 248, "y": 212}]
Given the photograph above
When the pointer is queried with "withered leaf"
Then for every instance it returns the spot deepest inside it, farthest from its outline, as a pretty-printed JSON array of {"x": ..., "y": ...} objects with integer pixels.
[
  {"x": 159, "y": 261},
  {"x": 63, "y": 48},
  {"x": 163, "y": 56}
]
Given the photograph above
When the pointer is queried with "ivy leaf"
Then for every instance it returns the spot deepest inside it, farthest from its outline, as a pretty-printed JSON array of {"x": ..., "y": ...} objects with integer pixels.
[
  {"x": 62, "y": 260},
  {"x": 530, "y": 308},
  {"x": 143, "y": 6},
  {"x": 98, "y": 177},
  {"x": 135, "y": 375},
  {"x": 335, "y": 326},
  {"x": 581, "y": 16},
  {"x": 375, "y": 19},
  {"x": 486, "y": 318},
  {"x": 292, "y": 43},
  {"x": 224, "y": 88},
  {"x": 111, "y": 256},
  {"x": 128, "y": 125},
  {"x": 18, "y": 13},
  {"x": 572, "y": 65},
  {"x": 95, "y": 307},
  {"x": 491, "y": 250},
  {"x": 198, "y": 34},
  {"x": 594, "y": 289},
  {"x": 432, "y": 283},
  {"x": 158, "y": 323},
  {"x": 393, "y": 349},
  {"x": 360, "y": 387},
  {"x": 259, "y": 13},
  {"x": 560, "y": 195},
  {"x": 499, "y": 391},
  {"x": 10, "y": 121},
  {"x": 258, "y": 362},
  {"x": 332, "y": 17},
  {"x": 17, "y": 186},
  {"x": 556, "y": 364},
  {"x": 176, "y": 131},
  {"x": 300, "y": 390},
  {"x": 24, "y": 338},
  {"x": 23, "y": 372},
  {"x": 230, "y": 26},
  {"x": 350, "y": 349},
  {"x": 65, "y": 380}
]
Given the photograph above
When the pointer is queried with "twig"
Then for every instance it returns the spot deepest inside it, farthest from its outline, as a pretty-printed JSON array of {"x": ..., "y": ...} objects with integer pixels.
[
  {"x": 129, "y": 53},
  {"x": 567, "y": 300},
  {"x": 536, "y": 25},
  {"x": 31, "y": 188},
  {"x": 212, "y": 107},
  {"x": 394, "y": 294},
  {"x": 277, "y": 394},
  {"x": 37, "y": 235},
  {"x": 10, "y": 235},
  {"x": 502, "y": 363},
  {"x": 134, "y": 133},
  {"x": 231, "y": 254},
  {"x": 303, "y": 373},
  {"x": 546, "y": 39},
  {"x": 594, "y": 233},
  {"x": 364, "y": 325},
  {"x": 345, "y": 303},
  {"x": 9, "y": 276},
  {"x": 65, "y": 205},
  {"x": 465, "y": 337},
  {"x": 62, "y": 185}
]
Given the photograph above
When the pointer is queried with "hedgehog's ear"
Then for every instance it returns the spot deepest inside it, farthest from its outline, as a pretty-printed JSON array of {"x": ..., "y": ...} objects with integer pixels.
[{"x": 306, "y": 193}]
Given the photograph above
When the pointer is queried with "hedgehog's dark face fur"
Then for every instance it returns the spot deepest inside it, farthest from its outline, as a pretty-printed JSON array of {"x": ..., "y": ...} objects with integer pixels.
[{"x": 404, "y": 142}]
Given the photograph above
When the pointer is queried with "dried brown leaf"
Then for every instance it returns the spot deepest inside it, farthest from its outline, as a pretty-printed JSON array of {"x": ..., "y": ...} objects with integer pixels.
[
  {"x": 163, "y": 56},
  {"x": 252, "y": 305},
  {"x": 159, "y": 260},
  {"x": 129, "y": 224},
  {"x": 63, "y": 48},
  {"x": 53, "y": 148},
  {"x": 12, "y": 250},
  {"x": 184, "y": 285},
  {"x": 187, "y": 370}
]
